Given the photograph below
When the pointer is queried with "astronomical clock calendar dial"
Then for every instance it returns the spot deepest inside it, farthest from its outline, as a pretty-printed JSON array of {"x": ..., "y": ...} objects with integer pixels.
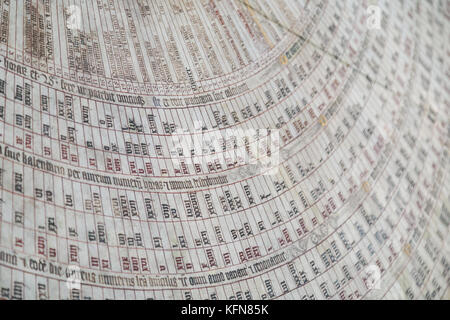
[{"x": 224, "y": 149}]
